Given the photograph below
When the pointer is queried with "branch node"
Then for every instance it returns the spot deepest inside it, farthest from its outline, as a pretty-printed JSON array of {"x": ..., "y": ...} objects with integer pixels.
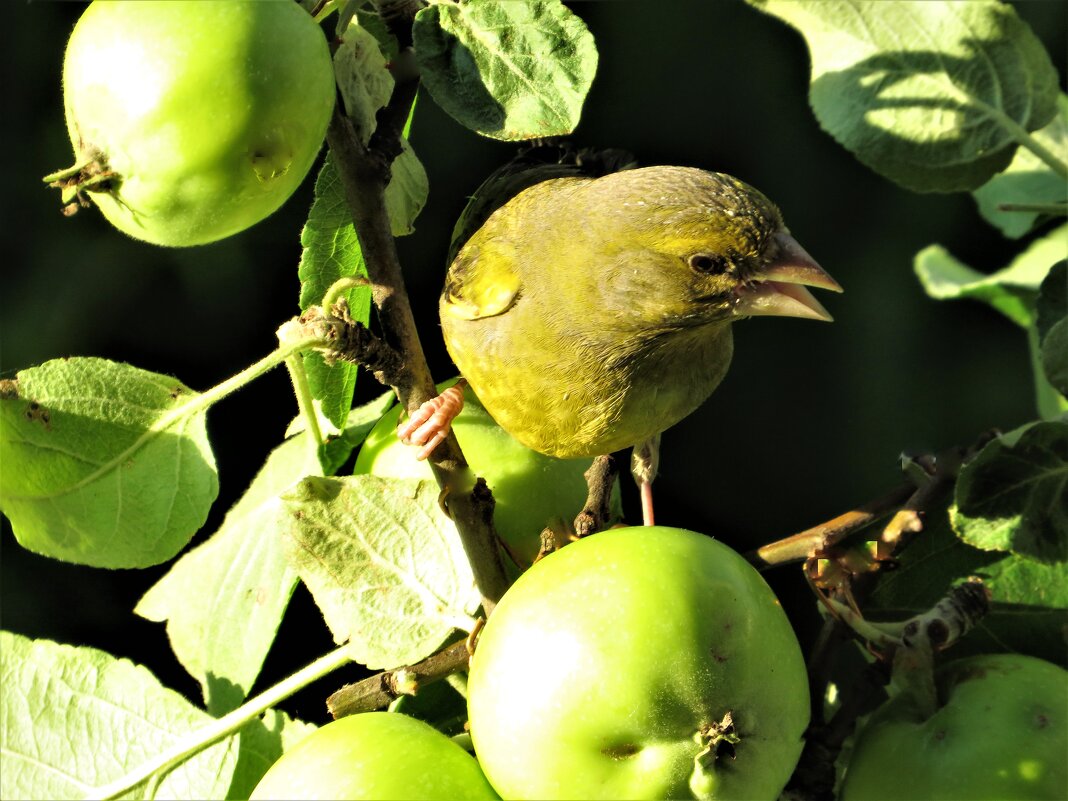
[
  {"x": 383, "y": 688},
  {"x": 351, "y": 341},
  {"x": 601, "y": 480}
]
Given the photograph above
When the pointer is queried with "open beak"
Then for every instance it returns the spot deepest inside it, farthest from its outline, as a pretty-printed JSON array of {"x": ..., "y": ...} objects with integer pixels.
[{"x": 779, "y": 289}]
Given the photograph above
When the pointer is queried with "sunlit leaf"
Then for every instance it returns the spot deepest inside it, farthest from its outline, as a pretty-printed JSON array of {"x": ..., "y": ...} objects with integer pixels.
[
  {"x": 72, "y": 719},
  {"x": 1028, "y": 180},
  {"x": 509, "y": 69},
  {"x": 104, "y": 464},
  {"x": 224, "y": 600},
  {"x": 331, "y": 251},
  {"x": 1015, "y": 497},
  {"x": 1012, "y": 290},
  {"x": 929, "y": 94},
  {"x": 384, "y": 566},
  {"x": 362, "y": 78},
  {"x": 407, "y": 191}
]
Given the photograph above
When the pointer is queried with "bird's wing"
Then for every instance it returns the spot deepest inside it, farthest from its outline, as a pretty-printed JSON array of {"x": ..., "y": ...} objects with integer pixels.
[
  {"x": 541, "y": 160},
  {"x": 483, "y": 281},
  {"x": 486, "y": 277}
]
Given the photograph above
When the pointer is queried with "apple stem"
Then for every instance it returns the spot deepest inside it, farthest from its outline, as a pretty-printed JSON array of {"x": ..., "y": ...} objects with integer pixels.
[
  {"x": 61, "y": 176},
  {"x": 88, "y": 173}
]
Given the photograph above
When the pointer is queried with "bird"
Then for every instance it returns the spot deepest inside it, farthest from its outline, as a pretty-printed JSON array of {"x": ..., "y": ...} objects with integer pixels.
[{"x": 591, "y": 314}]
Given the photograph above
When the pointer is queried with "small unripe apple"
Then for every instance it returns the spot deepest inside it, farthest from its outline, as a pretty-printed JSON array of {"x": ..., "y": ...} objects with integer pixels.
[
  {"x": 644, "y": 662},
  {"x": 1001, "y": 734},
  {"x": 375, "y": 756},
  {"x": 532, "y": 491},
  {"x": 192, "y": 120}
]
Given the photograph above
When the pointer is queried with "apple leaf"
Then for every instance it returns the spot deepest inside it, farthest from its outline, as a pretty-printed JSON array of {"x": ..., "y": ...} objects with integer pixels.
[
  {"x": 224, "y": 600},
  {"x": 407, "y": 190},
  {"x": 331, "y": 251},
  {"x": 1015, "y": 497},
  {"x": 1012, "y": 290},
  {"x": 372, "y": 22},
  {"x": 73, "y": 719},
  {"x": 1055, "y": 357},
  {"x": 1052, "y": 306},
  {"x": 1052, "y": 325},
  {"x": 262, "y": 743},
  {"x": 1028, "y": 180},
  {"x": 508, "y": 69},
  {"x": 385, "y": 567},
  {"x": 931, "y": 95},
  {"x": 103, "y": 464},
  {"x": 1029, "y": 600},
  {"x": 336, "y": 450},
  {"x": 364, "y": 82}
]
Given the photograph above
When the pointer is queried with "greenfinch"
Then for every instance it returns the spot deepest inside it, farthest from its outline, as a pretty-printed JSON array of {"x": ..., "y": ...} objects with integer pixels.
[{"x": 591, "y": 314}]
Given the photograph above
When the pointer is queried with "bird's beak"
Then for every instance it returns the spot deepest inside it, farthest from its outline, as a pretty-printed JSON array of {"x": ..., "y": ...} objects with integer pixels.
[{"x": 779, "y": 289}]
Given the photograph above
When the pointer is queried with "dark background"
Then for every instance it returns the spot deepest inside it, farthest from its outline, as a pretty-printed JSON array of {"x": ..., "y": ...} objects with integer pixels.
[{"x": 809, "y": 422}]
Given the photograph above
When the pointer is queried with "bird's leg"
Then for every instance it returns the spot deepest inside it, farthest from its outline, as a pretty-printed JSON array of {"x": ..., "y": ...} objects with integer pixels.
[
  {"x": 644, "y": 461},
  {"x": 431, "y": 423}
]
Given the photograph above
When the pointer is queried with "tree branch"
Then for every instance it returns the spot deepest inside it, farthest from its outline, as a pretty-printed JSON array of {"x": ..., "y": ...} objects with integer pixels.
[
  {"x": 381, "y": 689},
  {"x": 365, "y": 173},
  {"x": 601, "y": 480},
  {"x": 906, "y": 650},
  {"x": 351, "y": 341},
  {"x": 801, "y": 546}
]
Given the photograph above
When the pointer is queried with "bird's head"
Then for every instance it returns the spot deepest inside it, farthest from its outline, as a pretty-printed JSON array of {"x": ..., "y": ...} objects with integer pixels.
[{"x": 715, "y": 249}]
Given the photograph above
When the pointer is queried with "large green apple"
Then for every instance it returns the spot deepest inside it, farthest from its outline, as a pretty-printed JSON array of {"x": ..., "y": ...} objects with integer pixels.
[
  {"x": 376, "y": 755},
  {"x": 193, "y": 119},
  {"x": 644, "y": 662},
  {"x": 532, "y": 491},
  {"x": 1001, "y": 734}
]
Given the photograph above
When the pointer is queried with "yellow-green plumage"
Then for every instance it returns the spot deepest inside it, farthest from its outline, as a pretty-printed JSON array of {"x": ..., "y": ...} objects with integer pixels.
[{"x": 589, "y": 315}]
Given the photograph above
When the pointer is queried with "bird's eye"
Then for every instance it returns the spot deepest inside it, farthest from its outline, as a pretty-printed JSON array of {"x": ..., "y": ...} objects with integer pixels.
[{"x": 708, "y": 264}]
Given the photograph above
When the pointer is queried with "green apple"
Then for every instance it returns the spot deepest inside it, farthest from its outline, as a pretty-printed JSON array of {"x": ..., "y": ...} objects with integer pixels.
[
  {"x": 532, "y": 491},
  {"x": 193, "y": 119},
  {"x": 1001, "y": 734},
  {"x": 376, "y": 755},
  {"x": 644, "y": 662}
]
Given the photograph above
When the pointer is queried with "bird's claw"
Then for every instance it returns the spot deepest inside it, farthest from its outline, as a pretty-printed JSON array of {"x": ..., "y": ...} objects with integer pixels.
[{"x": 431, "y": 423}]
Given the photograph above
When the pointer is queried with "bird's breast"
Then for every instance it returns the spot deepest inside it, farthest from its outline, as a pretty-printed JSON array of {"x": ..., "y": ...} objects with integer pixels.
[{"x": 572, "y": 393}]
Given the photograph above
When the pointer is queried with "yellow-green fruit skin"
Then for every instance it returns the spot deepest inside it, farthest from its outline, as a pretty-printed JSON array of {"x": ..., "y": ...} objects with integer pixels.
[
  {"x": 601, "y": 663},
  {"x": 531, "y": 490},
  {"x": 1001, "y": 734},
  {"x": 209, "y": 112},
  {"x": 379, "y": 756}
]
